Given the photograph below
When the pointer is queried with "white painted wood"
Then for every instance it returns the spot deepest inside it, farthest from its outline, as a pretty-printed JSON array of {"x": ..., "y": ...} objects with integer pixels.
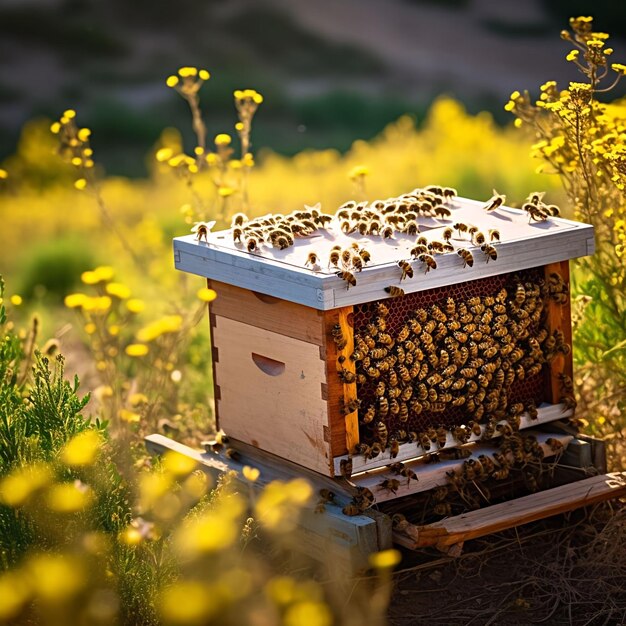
[
  {"x": 431, "y": 475},
  {"x": 281, "y": 273},
  {"x": 279, "y": 409},
  {"x": 408, "y": 451}
]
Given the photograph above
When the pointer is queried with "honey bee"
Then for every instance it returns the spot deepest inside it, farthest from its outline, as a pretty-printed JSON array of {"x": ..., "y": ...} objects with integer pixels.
[
  {"x": 369, "y": 414},
  {"x": 381, "y": 433},
  {"x": 496, "y": 201},
  {"x": 394, "y": 448},
  {"x": 441, "y": 211},
  {"x": 351, "y": 406},
  {"x": 448, "y": 192},
  {"x": 401, "y": 470},
  {"x": 418, "y": 249},
  {"x": 424, "y": 441},
  {"x": 460, "y": 227},
  {"x": 411, "y": 228},
  {"x": 531, "y": 408},
  {"x": 252, "y": 244},
  {"x": 390, "y": 484},
  {"x": 394, "y": 291},
  {"x": 535, "y": 213},
  {"x": 467, "y": 257},
  {"x": 490, "y": 252},
  {"x": 447, "y": 234},
  {"x": 461, "y": 434},
  {"x": 351, "y": 510},
  {"x": 407, "y": 270},
  {"x": 555, "y": 445},
  {"x": 345, "y": 468},
  {"x": 346, "y": 376},
  {"x": 479, "y": 238},
  {"x": 567, "y": 384},
  {"x": 348, "y": 277},
  {"x": 428, "y": 261},
  {"x": 366, "y": 257},
  {"x": 442, "y": 436},
  {"x": 335, "y": 255}
]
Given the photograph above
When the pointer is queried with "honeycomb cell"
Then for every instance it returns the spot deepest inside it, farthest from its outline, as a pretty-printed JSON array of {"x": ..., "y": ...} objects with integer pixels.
[{"x": 500, "y": 330}]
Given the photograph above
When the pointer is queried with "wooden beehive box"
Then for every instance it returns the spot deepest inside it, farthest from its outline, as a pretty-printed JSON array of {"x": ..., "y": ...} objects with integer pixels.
[{"x": 276, "y": 363}]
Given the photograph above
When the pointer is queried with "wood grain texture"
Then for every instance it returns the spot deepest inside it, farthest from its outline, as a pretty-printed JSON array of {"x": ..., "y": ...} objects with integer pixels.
[
  {"x": 344, "y": 429},
  {"x": 271, "y": 392},
  {"x": 279, "y": 316},
  {"x": 519, "y": 511},
  {"x": 559, "y": 318},
  {"x": 546, "y": 413},
  {"x": 281, "y": 273}
]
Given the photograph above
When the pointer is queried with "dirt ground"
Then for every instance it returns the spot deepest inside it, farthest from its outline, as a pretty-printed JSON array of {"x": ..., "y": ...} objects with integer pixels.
[{"x": 567, "y": 570}]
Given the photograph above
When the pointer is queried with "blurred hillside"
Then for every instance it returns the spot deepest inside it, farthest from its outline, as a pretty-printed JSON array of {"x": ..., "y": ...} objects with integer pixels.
[{"x": 332, "y": 71}]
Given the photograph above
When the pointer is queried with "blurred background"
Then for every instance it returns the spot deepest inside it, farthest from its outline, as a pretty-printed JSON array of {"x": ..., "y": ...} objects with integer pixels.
[{"x": 332, "y": 71}]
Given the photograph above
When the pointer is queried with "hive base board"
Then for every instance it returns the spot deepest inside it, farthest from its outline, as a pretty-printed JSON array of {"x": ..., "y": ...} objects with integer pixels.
[
  {"x": 448, "y": 535},
  {"x": 348, "y": 541}
]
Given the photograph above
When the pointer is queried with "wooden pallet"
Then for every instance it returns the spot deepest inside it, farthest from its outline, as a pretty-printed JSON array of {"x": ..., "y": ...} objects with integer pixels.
[{"x": 449, "y": 534}]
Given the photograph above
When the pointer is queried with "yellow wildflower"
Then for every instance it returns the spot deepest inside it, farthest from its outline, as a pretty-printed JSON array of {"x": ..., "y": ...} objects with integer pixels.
[
  {"x": 164, "y": 154},
  {"x": 135, "y": 305},
  {"x": 129, "y": 416},
  {"x": 222, "y": 139},
  {"x": 55, "y": 577},
  {"x": 618, "y": 67},
  {"x": 188, "y": 602},
  {"x": 137, "y": 349},
  {"x": 22, "y": 483},
  {"x": 387, "y": 559},
  {"x": 55, "y": 128},
  {"x": 172, "y": 81},
  {"x": 167, "y": 324},
  {"x": 572, "y": 55},
  {"x": 90, "y": 328},
  {"x": 187, "y": 72},
  {"x": 118, "y": 290},
  {"x": 204, "y": 75},
  {"x": 82, "y": 450},
  {"x": 69, "y": 497},
  {"x": 138, "y": 398},
  {"x": 358, "y": 172},
  {"x": 307, "y": 612},
  {"x": 225, "y": 192},
  {"x": 80, "y": 184},
  {"x": 250, "y": 473},
  {"x": 206, "y": 295},
  {"x": 16, "y": 300},
  {"x": 84, "y": 134}
]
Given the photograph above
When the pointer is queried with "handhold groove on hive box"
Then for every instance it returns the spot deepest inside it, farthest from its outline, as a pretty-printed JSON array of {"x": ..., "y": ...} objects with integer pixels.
[{"x": 284, "y": 414}]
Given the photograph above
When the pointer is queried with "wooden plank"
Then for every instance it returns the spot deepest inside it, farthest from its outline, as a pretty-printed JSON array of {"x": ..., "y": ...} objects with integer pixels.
[
  {"x": 271, "y": 392},
  {"x": 344, "y": 428},
  {"x": 559, "y": 317},
  {"x": 347, "y": 540},
  {"x": 282, "y": 273},
  {"x": 431, "y": 475},
  {"x": 519, "y": 511},
  {"x": 214, "y": 358},
  {"x": 268, "y": 312},
  {"x": 408, "y": 451}
]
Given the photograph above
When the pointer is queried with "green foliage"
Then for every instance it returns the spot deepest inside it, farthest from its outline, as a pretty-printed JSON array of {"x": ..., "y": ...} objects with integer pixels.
[{"x": 53, "y": 269}]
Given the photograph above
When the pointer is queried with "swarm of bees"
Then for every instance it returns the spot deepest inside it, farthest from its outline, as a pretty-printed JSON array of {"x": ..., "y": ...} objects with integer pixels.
[{"x": 452, "y": 355}]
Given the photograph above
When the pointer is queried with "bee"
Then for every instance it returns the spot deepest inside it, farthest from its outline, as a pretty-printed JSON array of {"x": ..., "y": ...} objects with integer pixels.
[
  {"x": 394, "y": 291},
  {"x": 335, "y": 255},
  {"x": 394, "y": 447},
  {"x": 555, "y": 445},
  {"x": 411, "y": 228},
  {"x": 351, "y": 509},
  {"x": 407, "y": 270},
  {"x": 442, "y": 436},
  {"x": 252, "y": 244},
  {"x": 535, "y": 213},
  {"x": 490, "y": 252},
  {"x": 387, "y": 232},
  {"x": 351, "y": 406},
  {"x": 428, "y": 261},
  {"x": 531, "y": 409},
  {"x": 403, "y": 415},
  {"x": 441, "y": 211},
  {"x": 475, "y": 428},
  {"x": 402, "y": 470},
  {"x": 348, "y": 277},
  {"x": 494, "y": 234},
  {"x": 467, "y": 257},
  {"x": 552, "y": 210},
  {"x": 366, "y": 257},
  {"x": 567, "y": 384},
  {"x": 381, "y": 433},
  {"x": 369, "y": 414},
  {"x": 479, "y": 238},
  {"x": 418, "y": 249},
  {"x": 390, "y": 484},
  {"x": 345, "y": 468},
  {"x": 461, "y": 434},
  {"x": 496, "y": 201},
  {"x": 346, "y": 376}
]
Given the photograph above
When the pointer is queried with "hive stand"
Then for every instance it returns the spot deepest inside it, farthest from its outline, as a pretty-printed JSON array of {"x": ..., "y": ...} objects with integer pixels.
[{"x": 350, "y": 540}]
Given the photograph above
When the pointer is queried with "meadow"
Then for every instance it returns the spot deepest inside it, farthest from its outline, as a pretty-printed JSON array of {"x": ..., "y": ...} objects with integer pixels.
[{"x": 92, "y": 530}]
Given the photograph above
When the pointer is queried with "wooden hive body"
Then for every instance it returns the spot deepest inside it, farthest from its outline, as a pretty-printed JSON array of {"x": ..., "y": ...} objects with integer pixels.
[{"x": 274, "y": 357}]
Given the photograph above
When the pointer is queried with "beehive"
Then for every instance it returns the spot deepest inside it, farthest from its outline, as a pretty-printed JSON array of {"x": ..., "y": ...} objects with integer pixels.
[{"x": 277, "y": 363}]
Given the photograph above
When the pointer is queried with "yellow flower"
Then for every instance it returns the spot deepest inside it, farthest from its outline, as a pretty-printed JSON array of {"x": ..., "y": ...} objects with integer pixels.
[
  {"x": 572, "y": 55},
  {"x": 235, "y": 164},
  {"x": 19, "y": 485},
  {"x": 16, "y": 300},
  {"x": 198, "y": 150},
  {"x": 69, "y": 497},
  {"x": 90, "y": 328},
  {"x": 309, "y": 613},
  {"x": 188, "y": 602},
  {"x": 164, "y": 154},
  {"x": 358, "y": 172},
  {"x": 114, "y": 330},
  {"x": 138, "y": 398},
  {"x": 172, "y": 81},
  {"x": 204, "y": 75},
  {"x": 3, "y": 174},
  {"x": 225, "y": 192},
  {"x": 118, "y": 290},
  {"x": 250, "y": 473},
  {"x": 76, "y": 161},
  {"x": 70, "y": 114},
  {"x": 206, "y": 295},
  {"x": 167, "y": 324},
  {"x": 186, "y": 72},
  {"x": 55, "y": 128},
  {"x": 80, "y": 184},
  {"x": 129, "y": 416},
  {"x": 222, "y": 139},
  {"x": 14, "y": 592},
  {"x": 618, "y": 67},
  {"x": 178, "y": 464},
  {"x": 134, "y": 305},
  {"x": 82, "y": 450},
  {"x": 239, "y": 126},
  {"x": 55, "y": 577},
  {"x": 97, "y": 304},
  {"x": 137, "y": 349},
  {"x": 387, "y": 559},
  {"x": 84, "y": 134}
]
